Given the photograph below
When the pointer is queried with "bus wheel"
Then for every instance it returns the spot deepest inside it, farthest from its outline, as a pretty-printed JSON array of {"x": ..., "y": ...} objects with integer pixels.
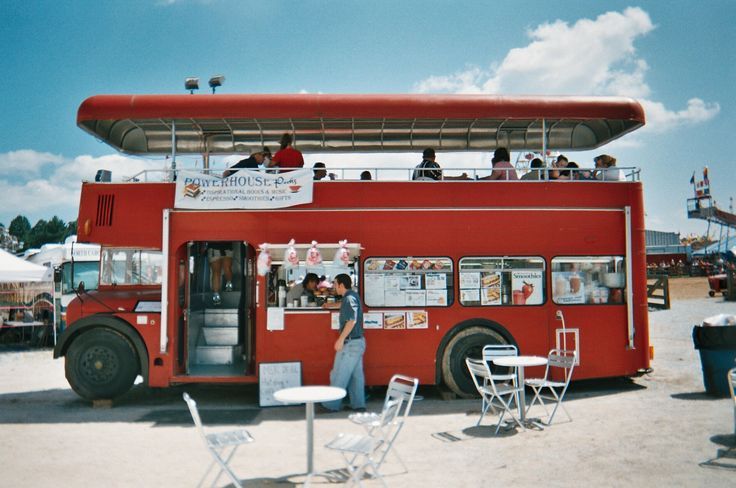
[
  {"x": 711, "y": 293},
  {"x": 467, "y": 343},
  {"x": 101, "y": 364}
]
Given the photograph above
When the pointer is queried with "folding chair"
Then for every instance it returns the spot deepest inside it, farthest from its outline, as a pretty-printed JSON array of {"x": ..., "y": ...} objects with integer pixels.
[
  {"x": 400, "y": 387},
  {"x": 492, "y": 351},
  {"x": 217, "y": 444},
  {"x": 490, "y": 390},
  {"x": 731, "y": 377},
  {"x": 557, "y": 358},
  {"x": 361, "y": 452}
]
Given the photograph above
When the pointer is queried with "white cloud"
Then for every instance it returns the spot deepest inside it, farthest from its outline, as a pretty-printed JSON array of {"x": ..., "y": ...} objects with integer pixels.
[
  {"x": 41, "y": 185},
  {"x": 589, "y": 57},
  {"x": 27, "y": 161}
]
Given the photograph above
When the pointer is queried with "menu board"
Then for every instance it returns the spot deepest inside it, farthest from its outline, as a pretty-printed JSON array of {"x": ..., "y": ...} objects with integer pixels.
[
  {"x": 273, "y": 377},
  {"x": 407, "y": 282},
  {"x": 469, "y": 280}
]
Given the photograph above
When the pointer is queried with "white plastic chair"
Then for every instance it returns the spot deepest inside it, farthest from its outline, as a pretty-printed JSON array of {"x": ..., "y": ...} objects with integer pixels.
[
  {"x": 217, "y": 444},
  {"x": 731, "y": 376},
  {"x": 492, "y": 351},
  {"x": 557, "y": 358},
  {"x": 491, "y": 391},
  {"x": 361, "y": 452},
  {"x": 400, "y": 387}
]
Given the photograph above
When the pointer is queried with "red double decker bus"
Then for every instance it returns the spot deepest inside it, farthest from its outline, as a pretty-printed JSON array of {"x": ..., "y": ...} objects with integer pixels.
[{"x": 443, "y": 267}]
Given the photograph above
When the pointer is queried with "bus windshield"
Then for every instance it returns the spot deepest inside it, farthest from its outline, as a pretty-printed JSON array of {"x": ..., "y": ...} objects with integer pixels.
[{"x": 85, "y": 271}]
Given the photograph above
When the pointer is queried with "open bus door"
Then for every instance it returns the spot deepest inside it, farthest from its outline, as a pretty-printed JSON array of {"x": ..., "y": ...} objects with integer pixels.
[{"x": 219, "y": 331}]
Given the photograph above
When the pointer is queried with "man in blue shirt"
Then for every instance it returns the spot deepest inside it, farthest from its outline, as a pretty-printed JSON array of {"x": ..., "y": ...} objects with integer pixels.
[{"x": 347, "y": 370}]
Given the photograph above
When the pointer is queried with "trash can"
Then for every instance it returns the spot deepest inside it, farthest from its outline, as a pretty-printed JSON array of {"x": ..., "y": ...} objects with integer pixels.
[{"x": 717, "y": 346}]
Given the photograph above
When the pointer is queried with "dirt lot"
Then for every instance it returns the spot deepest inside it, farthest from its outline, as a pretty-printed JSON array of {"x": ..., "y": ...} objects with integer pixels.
[
  {"x": 687, "y": 288},
  {"x": 654, "y": 430}
]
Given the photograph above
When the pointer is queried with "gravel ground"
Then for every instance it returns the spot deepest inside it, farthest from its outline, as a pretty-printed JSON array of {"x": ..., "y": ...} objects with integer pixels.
[{"x": 655, "y": 430}]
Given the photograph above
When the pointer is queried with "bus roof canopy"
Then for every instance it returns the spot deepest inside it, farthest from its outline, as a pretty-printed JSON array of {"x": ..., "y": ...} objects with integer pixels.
[{"x": 142, "y": 124}]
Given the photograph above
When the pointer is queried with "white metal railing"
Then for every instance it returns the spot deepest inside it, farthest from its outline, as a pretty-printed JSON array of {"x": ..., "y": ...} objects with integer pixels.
[{"x": 616, "y": 174}]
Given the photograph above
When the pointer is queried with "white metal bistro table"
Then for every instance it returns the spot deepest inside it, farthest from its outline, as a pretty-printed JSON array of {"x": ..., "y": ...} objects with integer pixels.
[
  {"x": 520, "y": 362},
  {"x": 309, "y": 395}
]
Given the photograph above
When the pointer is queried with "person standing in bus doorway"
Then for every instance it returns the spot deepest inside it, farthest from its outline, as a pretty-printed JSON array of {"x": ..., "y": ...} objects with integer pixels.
[
  {"x": 347, "y": 370},
  {"x": 287, "y": 157},
  {"x": 220, "y": 257}
]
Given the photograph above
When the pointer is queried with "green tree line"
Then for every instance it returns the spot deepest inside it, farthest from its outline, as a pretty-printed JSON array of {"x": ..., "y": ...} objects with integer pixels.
[{"x": 44, "y": 232}]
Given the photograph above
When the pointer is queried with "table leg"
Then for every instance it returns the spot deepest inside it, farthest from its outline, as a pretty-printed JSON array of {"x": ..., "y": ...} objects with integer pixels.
[
  {"x": 310, "y": 437},
  {"x": 522, "y": 395}
]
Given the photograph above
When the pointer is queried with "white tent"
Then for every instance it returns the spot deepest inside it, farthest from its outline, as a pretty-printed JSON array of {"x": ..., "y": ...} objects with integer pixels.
[{"x": 16, "y": 270}]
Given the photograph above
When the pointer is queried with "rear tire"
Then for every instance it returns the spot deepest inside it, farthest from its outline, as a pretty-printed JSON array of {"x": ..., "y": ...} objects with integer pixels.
[
  {"x": 467, "y": 343},
  {"x": 101, "y": 364},
  {"x": 711, "y": 293}
]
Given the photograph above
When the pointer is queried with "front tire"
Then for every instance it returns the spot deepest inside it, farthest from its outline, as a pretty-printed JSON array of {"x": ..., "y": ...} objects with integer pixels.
[
  {"x": 467, "y": 343},
  {"x": 101, "y": 364}
]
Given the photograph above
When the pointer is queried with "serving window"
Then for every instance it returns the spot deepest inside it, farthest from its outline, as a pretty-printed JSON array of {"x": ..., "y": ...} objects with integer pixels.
[
  {"x": 408, "y": 281},
  {"x": 284, "y": 277},
  {"x": 588, "y": 280},
  {"x": 492, "y": 281}
]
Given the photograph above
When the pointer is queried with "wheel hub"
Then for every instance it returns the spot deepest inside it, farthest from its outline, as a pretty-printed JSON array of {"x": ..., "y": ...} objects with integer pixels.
[{"x": 99, "y": 364}]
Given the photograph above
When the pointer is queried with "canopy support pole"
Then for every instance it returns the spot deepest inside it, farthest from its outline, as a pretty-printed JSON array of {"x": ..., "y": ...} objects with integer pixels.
[{"x": 173, "y": 150}]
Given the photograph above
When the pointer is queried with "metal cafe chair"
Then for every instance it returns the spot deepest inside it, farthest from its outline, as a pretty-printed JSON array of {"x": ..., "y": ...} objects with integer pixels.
[
  {"x": 400, "y": 387},
  {"x": 217, "y": 444},
  {"x": 557, "y": 358},
  {"x": 361, "y": 452},
  {"x": 492, "y": 351},
  {"x": 731, "y": 387},
  {"x": 491, "y": 391}
]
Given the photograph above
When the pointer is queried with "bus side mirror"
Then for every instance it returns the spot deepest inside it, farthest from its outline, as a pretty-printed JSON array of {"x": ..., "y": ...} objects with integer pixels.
[
  {"x": 80, "y": 289},
  {"x": 57, "y": 275}
]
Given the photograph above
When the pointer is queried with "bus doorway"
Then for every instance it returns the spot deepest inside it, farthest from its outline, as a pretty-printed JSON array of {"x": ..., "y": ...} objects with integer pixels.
[{"x": 220, "y": 308}]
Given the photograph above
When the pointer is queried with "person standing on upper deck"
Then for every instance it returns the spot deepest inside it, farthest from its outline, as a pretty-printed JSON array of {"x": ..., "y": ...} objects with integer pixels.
[
  {"x": 347, "y": 370},
  {"x": 502, "y": 168},
  {"x": 287, "y": 157},
  {"x": 429, "y": 169}
]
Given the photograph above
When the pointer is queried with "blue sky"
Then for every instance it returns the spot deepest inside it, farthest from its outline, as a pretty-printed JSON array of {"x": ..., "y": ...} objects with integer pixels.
[{"x": 675, "y": 57}]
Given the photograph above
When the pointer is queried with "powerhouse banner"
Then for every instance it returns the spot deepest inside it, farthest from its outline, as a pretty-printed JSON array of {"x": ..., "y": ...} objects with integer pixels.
[{"x": 244, "y": 189}]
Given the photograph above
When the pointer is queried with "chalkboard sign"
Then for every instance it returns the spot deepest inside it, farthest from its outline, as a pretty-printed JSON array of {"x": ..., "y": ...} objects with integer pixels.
[{"x": 273, "y": 377}]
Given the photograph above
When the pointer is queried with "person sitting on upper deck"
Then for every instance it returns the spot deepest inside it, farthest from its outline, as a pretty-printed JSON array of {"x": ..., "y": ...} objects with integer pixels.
[
  {"x": 535, "y": 170},
  {"x": 554, "y": 172},
  {"x": 607, "y": 170},
  {"x": 251, "y": 162},
  {"x": 366, "y": 175},
  {"x": 429, "y": 169},
  {"x": 502, "y": 168},
  {"x": 287, "y": 157},
  {"x": 319, "y": 171}
]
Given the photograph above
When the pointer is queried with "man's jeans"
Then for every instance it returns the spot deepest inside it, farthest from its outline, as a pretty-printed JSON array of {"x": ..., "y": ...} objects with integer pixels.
[{"x": 347, "y": 372}]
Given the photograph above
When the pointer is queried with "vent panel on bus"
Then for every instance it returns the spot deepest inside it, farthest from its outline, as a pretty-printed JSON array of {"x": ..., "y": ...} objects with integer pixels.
[{"x": 105, "y": 204}]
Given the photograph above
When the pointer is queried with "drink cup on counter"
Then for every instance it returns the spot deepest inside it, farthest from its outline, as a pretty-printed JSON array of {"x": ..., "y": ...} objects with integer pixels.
[
  {"x": 289, "y": 304},
  {"x": 304, "y": 299},
  {"x": 296, "y": 303},
  {"x": 574, "y": 284},
  {"x": 561, "y": 286}
]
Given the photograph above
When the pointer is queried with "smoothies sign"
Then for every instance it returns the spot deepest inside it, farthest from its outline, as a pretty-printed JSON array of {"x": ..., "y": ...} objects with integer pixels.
[
  {"x": 526, "y": 287},
  {"x": 244, "y": 189}
]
